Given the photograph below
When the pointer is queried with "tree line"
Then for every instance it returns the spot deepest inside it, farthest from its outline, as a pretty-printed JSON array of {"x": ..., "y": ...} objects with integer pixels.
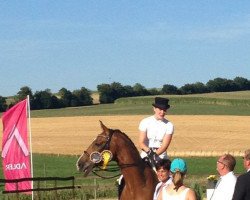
[{"x": 108, "y": 93}]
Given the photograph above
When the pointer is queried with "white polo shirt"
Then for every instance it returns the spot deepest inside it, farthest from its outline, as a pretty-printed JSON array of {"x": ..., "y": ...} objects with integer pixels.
[
  {"x": 225, "y": 188},
  {"x": 155, "y": 130}
]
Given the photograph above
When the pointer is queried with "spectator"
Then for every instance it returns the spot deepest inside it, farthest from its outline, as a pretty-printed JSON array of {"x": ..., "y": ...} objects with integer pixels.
[
  {"x": 224, "y": 188},
  {"x": 177, "y": 189},
  {"x": 163, "y": 172},
  {"x": 242, "y": 187}
]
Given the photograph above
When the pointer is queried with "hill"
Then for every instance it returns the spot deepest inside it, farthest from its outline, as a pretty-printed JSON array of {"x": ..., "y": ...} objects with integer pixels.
[{"x": 228, "y": 103}]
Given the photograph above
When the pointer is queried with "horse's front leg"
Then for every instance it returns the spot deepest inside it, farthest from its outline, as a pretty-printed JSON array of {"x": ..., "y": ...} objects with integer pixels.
[{"x": 126, "y": 194}]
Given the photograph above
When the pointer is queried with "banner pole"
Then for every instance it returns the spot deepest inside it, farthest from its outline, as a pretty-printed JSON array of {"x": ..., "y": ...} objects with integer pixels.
[{"x": 31, "y": 157}]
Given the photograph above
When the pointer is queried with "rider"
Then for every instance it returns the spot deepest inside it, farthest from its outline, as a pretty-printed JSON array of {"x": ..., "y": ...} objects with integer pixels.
[{"x": 156, "y": 131}]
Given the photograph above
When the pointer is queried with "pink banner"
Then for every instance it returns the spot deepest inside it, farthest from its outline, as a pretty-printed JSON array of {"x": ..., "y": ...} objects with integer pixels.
[{"x": 15, "y": 149}]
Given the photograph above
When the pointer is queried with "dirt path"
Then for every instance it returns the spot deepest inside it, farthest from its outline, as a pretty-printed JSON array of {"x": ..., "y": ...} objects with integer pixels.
[{"x": 194, "y": 135}]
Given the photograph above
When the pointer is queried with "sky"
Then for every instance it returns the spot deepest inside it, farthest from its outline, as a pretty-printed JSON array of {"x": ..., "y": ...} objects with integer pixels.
[{"x": 80, "y": 43}]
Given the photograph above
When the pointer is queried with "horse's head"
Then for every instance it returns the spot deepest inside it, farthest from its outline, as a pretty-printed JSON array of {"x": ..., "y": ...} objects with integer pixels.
[{"x": 94, "y": 154}]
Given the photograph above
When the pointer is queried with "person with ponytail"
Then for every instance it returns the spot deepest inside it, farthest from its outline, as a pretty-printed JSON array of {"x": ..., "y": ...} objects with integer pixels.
[{"x": 177, "y": 190}]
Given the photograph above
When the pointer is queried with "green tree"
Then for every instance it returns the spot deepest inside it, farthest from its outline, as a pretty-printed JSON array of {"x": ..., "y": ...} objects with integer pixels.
[
  {"x": 45, "y": 100},
  {"x": 140, "y": 90},
  {"x": 128, "y": 91},
  {"x": 242, "y": 83},
  {"x": 82, "y": 97},
  {"x": 117, "y": 90},
  {"x": 221, "y": 85},
  {"x": 23, "y": 93},
  {"x": 154, "y": 91},
  {"x": 187, "y": 89},
  {"x": 195, "y": 88},
  {"x": 3, "y": 104},
  {"x": 65, "y": 97},
  {"x": 105, "y": 93},
  {"x": 200, "y": 88},
  {"x": 169, "y": 89}
]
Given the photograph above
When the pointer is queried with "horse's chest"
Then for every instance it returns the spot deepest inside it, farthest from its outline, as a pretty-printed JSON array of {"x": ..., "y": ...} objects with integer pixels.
[{"x": 135, "y": 193}]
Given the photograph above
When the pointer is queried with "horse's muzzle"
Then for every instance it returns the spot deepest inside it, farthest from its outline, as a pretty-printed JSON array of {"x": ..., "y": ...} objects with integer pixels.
[{"x": 86, "y": 167}]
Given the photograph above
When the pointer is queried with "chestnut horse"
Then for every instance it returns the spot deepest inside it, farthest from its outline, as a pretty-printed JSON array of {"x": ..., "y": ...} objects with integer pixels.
[{"x": 140, "y": 179}]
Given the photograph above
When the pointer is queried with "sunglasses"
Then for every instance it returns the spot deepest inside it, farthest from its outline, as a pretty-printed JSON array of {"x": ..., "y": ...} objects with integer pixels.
[{"x": 221, "y": 162}]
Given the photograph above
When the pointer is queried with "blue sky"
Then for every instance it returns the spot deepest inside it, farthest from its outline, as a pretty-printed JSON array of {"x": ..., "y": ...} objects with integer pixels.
[{"x": 76, "y": 43}]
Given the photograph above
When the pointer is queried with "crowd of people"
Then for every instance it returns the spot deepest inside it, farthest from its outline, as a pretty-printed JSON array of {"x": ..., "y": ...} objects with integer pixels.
[{"x": 155, "y": 137}]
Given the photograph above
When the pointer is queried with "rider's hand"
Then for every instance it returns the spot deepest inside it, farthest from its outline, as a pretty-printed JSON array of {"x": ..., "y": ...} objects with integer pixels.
[{"x": 151, "y": 153}]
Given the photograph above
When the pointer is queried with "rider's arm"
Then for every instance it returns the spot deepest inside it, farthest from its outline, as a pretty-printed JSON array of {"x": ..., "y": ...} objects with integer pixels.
[
  {"x": 142, "y": 141},
  {"x": 165, "y": 143}
]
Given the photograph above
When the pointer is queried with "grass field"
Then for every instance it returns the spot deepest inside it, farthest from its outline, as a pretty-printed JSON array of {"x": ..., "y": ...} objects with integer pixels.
[{"x": 63, "y": 166}]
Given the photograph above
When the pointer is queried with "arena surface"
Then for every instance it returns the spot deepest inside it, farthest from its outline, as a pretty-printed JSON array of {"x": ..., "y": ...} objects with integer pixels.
[{"x": 194, "y": 135}]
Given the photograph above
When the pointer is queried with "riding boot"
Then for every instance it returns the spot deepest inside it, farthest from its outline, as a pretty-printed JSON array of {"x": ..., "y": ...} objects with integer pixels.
[{"x": 121, "y": 184}]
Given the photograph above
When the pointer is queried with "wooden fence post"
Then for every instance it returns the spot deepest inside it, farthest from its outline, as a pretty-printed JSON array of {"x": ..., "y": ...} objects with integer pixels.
[
  {"x": 56, "y": 195},
  {"x": 95, "y": 188},
  {"x": 38, "y": 192},
  {"x": 73, "y": 185},
  {"x": 17, "y": 194}
]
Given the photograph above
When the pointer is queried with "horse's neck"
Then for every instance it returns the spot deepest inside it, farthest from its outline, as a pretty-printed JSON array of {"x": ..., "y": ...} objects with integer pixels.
[
  {"x": 126, "y": 152},
  {"x": 129, "y": 159}
]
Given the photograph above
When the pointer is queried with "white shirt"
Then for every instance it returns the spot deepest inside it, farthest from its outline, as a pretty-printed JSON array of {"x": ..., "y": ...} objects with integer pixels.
[
  {"x": 155, "y": 130},
  {"x": 225, "y": 187},
  {"x": 160, "y": 186}
]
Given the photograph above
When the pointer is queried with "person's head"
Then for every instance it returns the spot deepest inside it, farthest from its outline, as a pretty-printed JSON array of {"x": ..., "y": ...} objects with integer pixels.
[
  {"x": 178, "y": 169},
  {"x": 160, "y": 107},
  {"x": 163, "y": 169},
  {"x": 246, "y": 158},
  {"x": 225, "y": 164}
]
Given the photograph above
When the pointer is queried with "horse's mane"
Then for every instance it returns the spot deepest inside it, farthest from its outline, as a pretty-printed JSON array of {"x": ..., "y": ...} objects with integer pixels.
[{"x": 117, "y": 131}]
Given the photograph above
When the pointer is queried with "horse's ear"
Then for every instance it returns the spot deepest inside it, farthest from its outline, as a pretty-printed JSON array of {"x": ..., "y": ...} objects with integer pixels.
[{"x": 104, "y": 128}]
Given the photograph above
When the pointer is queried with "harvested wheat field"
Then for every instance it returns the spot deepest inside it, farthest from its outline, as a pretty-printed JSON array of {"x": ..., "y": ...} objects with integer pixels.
[{"x": 194, "y": 135}]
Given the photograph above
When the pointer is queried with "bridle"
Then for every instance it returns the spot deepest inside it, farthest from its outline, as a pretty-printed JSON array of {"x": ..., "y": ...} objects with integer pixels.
[{"x": 106, "y": 146}]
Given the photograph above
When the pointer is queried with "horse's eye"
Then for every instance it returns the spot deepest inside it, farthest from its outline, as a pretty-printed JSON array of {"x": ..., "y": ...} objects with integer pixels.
[{"x": 98, "y": 144}]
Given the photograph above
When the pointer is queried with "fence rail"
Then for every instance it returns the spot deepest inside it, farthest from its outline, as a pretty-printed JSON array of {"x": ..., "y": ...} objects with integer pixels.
[{"x": 39, "y": 188}]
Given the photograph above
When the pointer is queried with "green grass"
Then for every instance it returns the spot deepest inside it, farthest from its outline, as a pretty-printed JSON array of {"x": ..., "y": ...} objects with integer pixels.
[
  {"x": 176, "y": 100},
  {"x": 226, "y": 95},
  {"x": 62, "y": 166}
]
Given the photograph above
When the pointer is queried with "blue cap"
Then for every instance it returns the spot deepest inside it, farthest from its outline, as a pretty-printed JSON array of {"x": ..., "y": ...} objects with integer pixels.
[{"x": 178, "y": 164}]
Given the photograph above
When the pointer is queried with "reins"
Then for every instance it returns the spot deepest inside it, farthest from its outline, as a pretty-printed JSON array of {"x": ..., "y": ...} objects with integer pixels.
[
  {"x": 106, "y": 177},
  {"x": 112, "y": 170}
]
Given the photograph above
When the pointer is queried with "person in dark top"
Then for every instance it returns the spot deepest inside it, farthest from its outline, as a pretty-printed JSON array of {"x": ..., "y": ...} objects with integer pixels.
[{"x": 242, "y": 187}]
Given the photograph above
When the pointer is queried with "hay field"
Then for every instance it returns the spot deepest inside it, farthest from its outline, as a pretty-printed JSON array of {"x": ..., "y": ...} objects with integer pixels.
[{"x": 194, "y": 135}]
